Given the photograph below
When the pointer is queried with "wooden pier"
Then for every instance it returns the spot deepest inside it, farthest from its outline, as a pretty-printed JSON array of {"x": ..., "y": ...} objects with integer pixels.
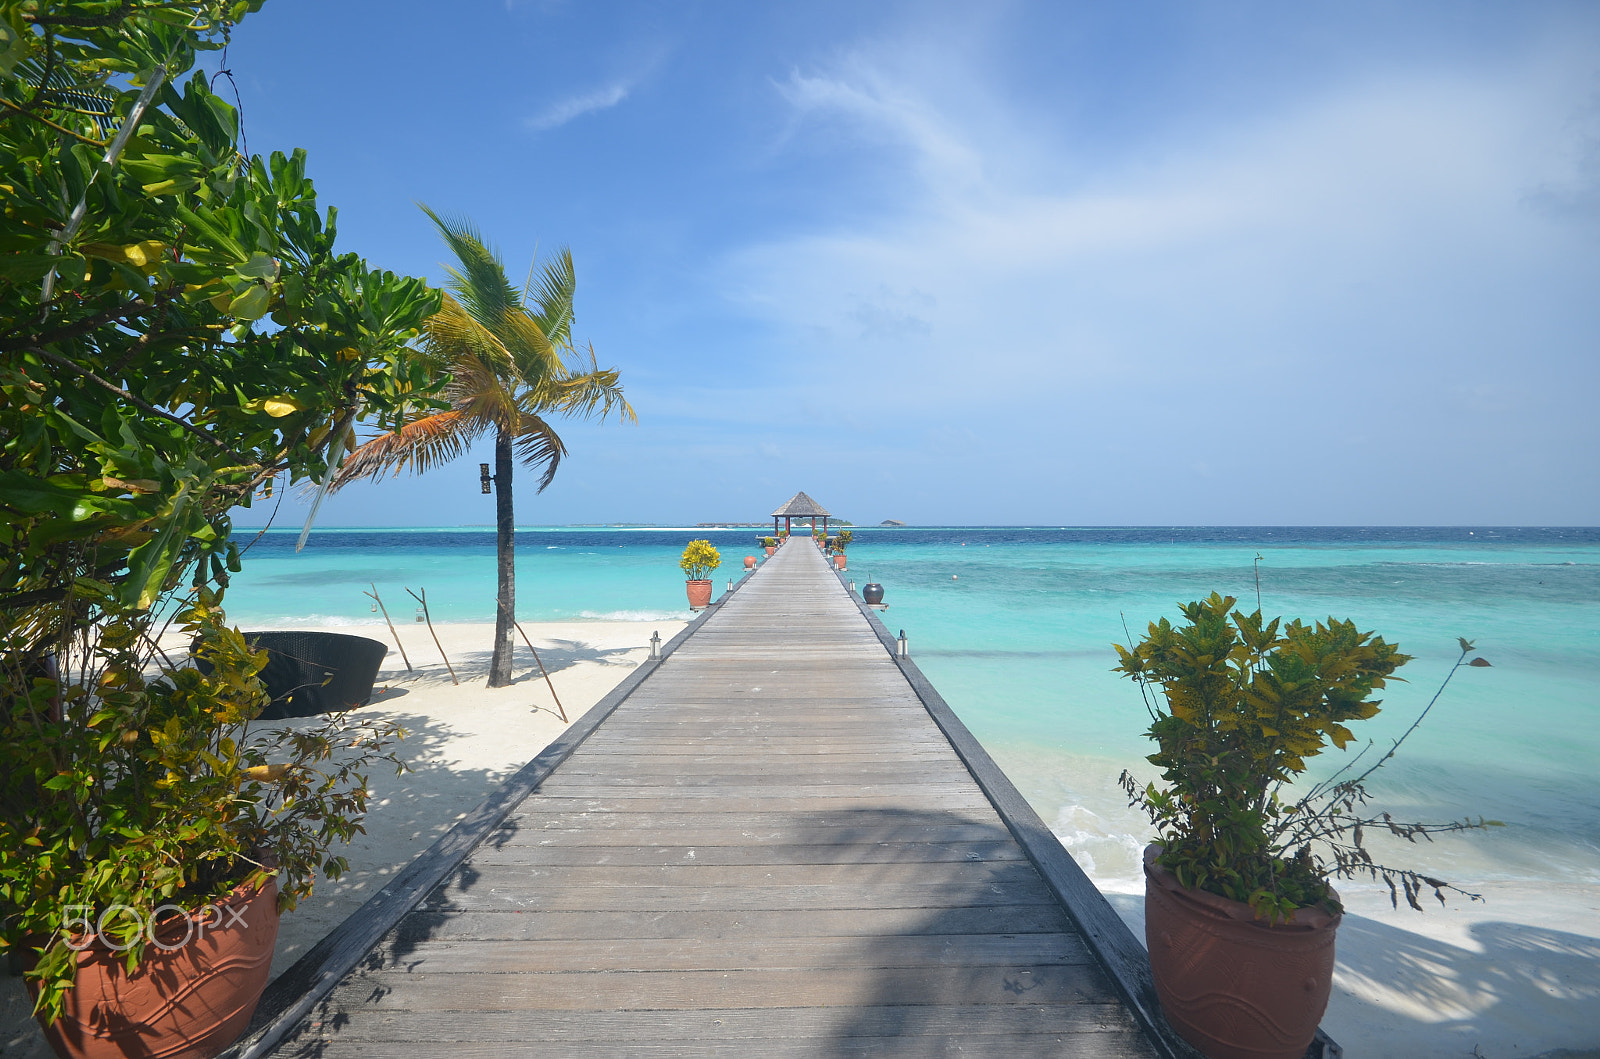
[{"x": 776, "y": 841}]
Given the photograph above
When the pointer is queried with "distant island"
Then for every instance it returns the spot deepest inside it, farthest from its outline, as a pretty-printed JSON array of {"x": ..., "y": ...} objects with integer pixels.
[{"x": 891, "y": 522}]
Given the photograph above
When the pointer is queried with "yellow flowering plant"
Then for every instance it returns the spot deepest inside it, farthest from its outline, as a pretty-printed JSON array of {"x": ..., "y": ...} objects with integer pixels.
[{"x": 699, "y": 559}]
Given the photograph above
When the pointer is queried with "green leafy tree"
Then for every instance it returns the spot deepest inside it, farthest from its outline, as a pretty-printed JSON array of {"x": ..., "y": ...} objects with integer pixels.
[
  {"x": 512, "y": 367},
  {"x": 143, "y": 395}
]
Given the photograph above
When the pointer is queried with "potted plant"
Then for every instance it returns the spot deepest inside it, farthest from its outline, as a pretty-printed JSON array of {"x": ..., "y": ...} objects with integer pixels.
[
  {"x": 840, "y": 543},
  {"x": 1240, "y": 915},
  {"x": 770, "y": 544},
  {"x": 163, "y": 836},
  {"x": 699, "y": 559},
  {"x": 144, "y": 824}
]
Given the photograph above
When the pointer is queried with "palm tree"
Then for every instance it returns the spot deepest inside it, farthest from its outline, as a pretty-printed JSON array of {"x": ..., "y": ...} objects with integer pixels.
[{"x": 512, "y": 366}]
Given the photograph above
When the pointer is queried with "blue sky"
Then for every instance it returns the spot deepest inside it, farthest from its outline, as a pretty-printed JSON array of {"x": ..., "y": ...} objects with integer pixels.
[{"x": 1003, "y": 263}]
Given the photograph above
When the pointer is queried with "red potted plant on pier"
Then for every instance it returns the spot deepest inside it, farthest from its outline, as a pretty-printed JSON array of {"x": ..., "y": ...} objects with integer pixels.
[
  {"x": 770, "y": 544},
  {"x": 1239, "y": 914},
  {"x": 841, "y": 542},
  {"x": 699, "y": 559}
]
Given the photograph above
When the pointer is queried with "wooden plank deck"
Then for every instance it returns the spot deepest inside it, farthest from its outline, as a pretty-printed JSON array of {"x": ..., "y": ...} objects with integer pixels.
[{"x": 765, "y": 845}]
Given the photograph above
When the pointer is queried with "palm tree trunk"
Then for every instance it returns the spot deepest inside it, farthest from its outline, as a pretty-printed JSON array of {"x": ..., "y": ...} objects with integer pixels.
[{"x": 505, "y": 614}]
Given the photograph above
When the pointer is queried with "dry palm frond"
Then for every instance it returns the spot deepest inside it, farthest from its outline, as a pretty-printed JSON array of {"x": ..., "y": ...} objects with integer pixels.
[
  {"x": 420, "y": 445},
  {"x": 491, "y": 405},
  {"x": 582, "y": 393}
]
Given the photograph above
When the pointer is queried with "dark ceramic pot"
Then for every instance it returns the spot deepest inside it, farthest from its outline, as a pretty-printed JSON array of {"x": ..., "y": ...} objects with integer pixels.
[
  {"x": 872, "y": 592},
  {"x": 1232, "y": 985},
  {"x": 314, "y": 672}
]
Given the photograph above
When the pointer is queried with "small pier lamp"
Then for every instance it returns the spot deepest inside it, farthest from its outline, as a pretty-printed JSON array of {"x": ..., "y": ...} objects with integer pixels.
[
  {"x": 905, "y": 652},
  {"x": 655, "y": 646},
  {"x": 484, "y": 477}
]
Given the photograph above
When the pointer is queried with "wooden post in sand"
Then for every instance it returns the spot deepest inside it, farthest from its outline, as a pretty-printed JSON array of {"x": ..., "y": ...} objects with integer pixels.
[
  {"x": 423, "y": 599},
  {"x": 546, "y": 673},
  {"x": 392, "y": 632}
]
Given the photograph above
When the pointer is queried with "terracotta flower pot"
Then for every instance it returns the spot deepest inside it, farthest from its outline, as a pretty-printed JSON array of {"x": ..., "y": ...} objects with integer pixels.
[
  {"x": 772, "y": 549},
  {"x": 749, "y": 562},
  {"x": 1232, "y": 985},
  {"x": 838, "y": 561},
  {"x": 699, "y": 593},
  {"x": 188, "y": 1002}
]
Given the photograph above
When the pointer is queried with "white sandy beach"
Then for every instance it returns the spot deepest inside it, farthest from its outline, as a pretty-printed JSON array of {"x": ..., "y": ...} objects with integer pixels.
[{"x": 1516, "y": 977}]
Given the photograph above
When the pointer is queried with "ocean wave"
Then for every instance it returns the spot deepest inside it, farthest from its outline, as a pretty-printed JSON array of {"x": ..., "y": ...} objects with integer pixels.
[
  {"x": 1112, "y": 859},
  {"x": 633, "y": 615},
  {"x": 300, "y": 621}
]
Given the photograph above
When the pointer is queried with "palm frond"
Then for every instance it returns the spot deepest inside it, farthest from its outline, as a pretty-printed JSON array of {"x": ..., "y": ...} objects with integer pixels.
[
  {"x": 539, "y": 445},
  {"x": 530, "y": 350},
  {"x": 480, "y": 284},
  {"x": 420, "y": 445},
  {"x": 452, "y": 335},
  {"x": 550, "y": 303},
  {"x": 511, "y": 360},
  {"x": 490, "y": 403},
  {"x": 591, "y": 393}
]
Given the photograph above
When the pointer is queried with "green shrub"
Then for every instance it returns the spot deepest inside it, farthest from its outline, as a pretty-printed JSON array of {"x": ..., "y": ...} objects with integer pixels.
[
  {"x": 142, "y": 398},
  {"x": 1243, "y": 703}
]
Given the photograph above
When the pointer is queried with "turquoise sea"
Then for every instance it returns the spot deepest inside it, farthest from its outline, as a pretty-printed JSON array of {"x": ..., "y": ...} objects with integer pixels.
[{"x": 1015, "y": 627}]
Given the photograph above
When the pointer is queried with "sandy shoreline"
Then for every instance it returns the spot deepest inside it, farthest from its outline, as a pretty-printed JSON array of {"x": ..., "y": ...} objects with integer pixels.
[{"x": 1518, "y": 976}]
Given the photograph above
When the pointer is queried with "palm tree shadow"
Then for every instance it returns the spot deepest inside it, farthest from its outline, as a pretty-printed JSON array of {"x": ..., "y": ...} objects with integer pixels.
[
  {"x": 472, "y": 666},
  {"x": 406, "y": 814},
  {"x": 1034, "y": 1004},
  {"x": 1535, "y": 981}
]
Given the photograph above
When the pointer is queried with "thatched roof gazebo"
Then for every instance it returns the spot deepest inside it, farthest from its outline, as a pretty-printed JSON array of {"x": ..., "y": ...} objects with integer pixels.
[{"x": 801, "y": 506}]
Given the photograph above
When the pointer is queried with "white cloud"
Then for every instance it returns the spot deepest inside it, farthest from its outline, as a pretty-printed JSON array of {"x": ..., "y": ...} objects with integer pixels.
[
  {"x": 874, "y": 103},
  {"x": 1322, "y": 268},
  {"x": 565, "y": 110},
  {"x": 1395, "y": 184}
]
